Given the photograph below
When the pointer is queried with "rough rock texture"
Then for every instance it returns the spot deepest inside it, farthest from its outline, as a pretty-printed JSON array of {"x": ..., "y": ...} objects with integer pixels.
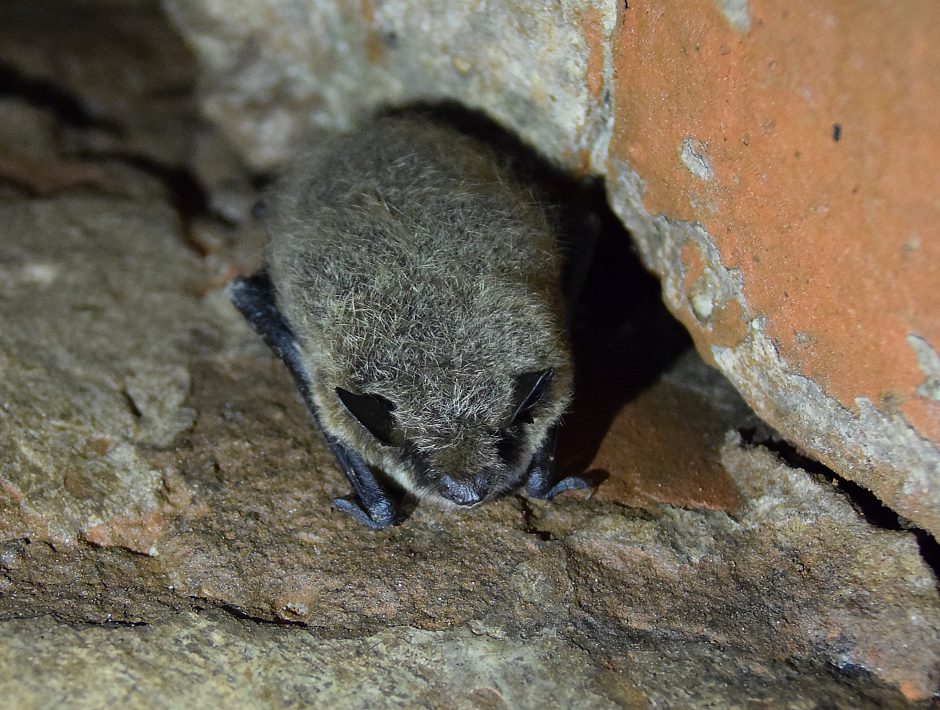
[
  {"x": 273, "y": 69},
  {"x": 273, "y": 667},
  {"x": 162, "y": 493},
  {"x": 781, "y": 190},
  {"x": 775, "y": 165}
]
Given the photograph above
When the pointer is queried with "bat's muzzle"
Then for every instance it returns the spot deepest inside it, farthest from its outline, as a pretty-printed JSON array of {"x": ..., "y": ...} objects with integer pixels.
[{"x": 468, "y": 491}]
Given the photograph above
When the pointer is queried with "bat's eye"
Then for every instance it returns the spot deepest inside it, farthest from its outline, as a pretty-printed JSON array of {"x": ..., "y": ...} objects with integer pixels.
[
  {"x": 374, "y": 412},
  {"x": 529, "y": 389}
]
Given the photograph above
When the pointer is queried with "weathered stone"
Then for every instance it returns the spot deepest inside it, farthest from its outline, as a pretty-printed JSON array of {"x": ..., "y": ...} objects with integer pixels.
[
  {"x": 156, "y": 462},
  {"x": 817, "y": 609},
  {"x": 167, "y": 665},
  {"x": 109, "y": 100},
  {"x": 287, "y": 668},
  {"x": 78, "y": 310},
  {"x": 233, "y": 511},
  {"x": 271, "y": 71},
  {"x": 878, "y": 449}
]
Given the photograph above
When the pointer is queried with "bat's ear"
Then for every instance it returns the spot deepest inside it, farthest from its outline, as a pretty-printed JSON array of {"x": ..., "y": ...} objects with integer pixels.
[
  {"x": 374, "y": 412},
  {"x": 528, "y": 391}
]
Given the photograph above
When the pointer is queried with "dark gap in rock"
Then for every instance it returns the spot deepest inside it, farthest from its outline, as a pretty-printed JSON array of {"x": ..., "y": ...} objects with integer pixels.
[
  {"x": 131, "y": 404},
  {"x": 186, "y": 193},
  {"x": 63, "y": 619},
  {"x": 868, "y": 505},
  {"x": 9, "y": 184},
  {"x": 528, "y": 522},
  {"x": 45, "y": 95},
  {"x": 929, "y": 549},
  {"x": 213, "y": 607},
  {"x": 623, "y": 338},
  {"x": 110, "y": 624},
  {"x": 25, "y": 616}
]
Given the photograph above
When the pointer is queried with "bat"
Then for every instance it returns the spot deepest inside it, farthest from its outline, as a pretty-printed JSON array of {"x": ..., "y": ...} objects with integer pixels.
[{"x": 413, "y": 287}]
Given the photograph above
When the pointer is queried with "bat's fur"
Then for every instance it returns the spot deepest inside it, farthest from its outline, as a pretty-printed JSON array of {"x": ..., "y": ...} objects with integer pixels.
[{"x": 409, "y": 264}]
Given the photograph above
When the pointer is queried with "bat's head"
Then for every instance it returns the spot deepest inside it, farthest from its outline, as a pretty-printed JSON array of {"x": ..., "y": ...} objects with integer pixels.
[{"x": 478, "y": 444}]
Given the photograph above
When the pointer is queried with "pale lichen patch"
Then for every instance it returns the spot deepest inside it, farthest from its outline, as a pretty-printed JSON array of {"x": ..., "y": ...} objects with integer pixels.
[
  {"x": 929, "y": 363},
  {"x": 737, "y": 13}
]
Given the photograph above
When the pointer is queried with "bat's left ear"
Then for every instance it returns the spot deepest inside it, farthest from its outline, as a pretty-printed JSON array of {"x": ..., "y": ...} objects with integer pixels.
[
  {"x": 374, "y": 412},
  {"x": 530, "y": 388}
]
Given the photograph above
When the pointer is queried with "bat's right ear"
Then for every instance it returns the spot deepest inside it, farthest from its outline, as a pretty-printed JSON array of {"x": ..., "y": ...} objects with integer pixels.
[
  {"x": 374, "y": 412},
  {"x": 530, "y": 388}
]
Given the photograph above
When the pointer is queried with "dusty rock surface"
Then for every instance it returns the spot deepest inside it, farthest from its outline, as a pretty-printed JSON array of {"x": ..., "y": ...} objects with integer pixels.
[
  {"x": 771, "y": 162},
  {"x": 166, "y": 536}
]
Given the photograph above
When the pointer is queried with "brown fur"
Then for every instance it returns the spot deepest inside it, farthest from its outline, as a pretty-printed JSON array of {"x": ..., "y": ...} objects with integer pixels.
[{"x": 410, "y": 264}]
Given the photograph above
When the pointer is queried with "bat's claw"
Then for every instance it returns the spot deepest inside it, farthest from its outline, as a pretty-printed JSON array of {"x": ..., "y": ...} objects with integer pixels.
[
  {"x": 379, "y": 519},
  {"x": 540, "y": 487}
]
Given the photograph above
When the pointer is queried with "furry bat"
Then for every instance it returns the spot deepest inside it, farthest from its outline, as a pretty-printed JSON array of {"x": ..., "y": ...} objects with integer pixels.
[{"x": 413, "y": 289}]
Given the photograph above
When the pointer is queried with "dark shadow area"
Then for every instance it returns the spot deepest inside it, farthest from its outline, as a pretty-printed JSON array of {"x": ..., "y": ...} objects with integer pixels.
[
  {"x": 868, "y": 505},
  {"x": 103, "y": 111},
  {"x": 185, "y": 192},
  {"x": 623, "y": 339},
  {"x": 45, "y": 95}
]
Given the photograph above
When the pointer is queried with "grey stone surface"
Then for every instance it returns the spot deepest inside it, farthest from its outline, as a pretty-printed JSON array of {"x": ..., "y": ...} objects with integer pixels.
[
  {"x": 105, "y": 53},
  {"x": 91, "y": 368},
  {"x": 273, "y": 71},
  {"x": 165, "y": 666},
  {"x": 157, "y": 468}
]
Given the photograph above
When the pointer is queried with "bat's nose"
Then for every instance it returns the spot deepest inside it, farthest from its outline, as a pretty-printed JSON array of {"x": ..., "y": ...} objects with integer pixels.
[{"x": 464, "y": 491}]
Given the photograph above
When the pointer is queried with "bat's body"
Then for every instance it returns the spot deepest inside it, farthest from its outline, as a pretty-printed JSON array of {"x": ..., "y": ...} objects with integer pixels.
[{"x": 414, "y": 291}]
